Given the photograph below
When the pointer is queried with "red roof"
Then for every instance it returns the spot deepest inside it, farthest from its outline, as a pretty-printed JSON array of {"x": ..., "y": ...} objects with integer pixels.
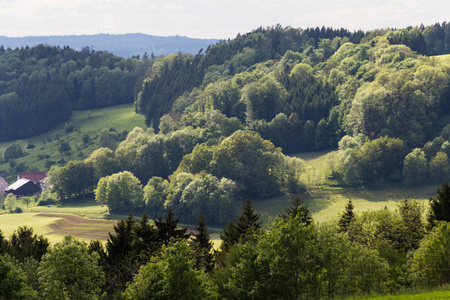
[{"x": 35, "y": 177}]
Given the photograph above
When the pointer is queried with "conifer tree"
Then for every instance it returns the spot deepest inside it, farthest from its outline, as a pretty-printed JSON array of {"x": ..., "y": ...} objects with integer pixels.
[
  {"x": 347, "y": 217},
  {"x": 440, "y": 206},
  {"x": 297, "y": 209},
  {"x": 145, "y": 237},
  {"x": 167, "y": 229},
  {"x": 202, "y": 245},
  {"x": 243, "y": 229},
  {"x": 119, "y": 244}
]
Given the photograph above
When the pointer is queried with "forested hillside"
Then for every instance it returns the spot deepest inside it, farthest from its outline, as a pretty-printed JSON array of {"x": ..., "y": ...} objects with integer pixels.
[
  {"x": 40, "y": 86},
  {"x": 221, "y": 127}
]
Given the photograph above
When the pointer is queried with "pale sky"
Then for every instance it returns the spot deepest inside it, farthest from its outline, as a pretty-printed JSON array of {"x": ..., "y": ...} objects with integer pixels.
[{"x": 220, "y": 19}]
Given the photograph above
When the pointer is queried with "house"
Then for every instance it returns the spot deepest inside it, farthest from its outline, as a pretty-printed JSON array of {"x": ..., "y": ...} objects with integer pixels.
[
  {"x": 23, "y": 187},
  {"x": 34, "y": 177},
  {"x": 3, "y": 185}
]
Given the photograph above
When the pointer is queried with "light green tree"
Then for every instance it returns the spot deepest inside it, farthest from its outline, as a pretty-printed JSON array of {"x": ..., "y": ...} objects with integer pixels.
[
  {"x": 171, "y": 277},
  {"x": 430, "y": 265},
  {"x": 68, "y": 271},
  {"x": 120, "y": 192},
  {"x": 10, "y": 202},
  {"x": 415, "y": 167}
]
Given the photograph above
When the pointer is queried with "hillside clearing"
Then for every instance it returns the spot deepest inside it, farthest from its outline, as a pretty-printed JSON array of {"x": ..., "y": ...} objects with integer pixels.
[
  {"x": 326, "y": 201},
  {"x": 120, "y": 117}
]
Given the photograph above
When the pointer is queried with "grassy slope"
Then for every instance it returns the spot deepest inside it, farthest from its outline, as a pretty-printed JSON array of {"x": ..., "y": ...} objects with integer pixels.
[
  {"x": 327, "y": 201},
  {"x": 121, "y": 117}
]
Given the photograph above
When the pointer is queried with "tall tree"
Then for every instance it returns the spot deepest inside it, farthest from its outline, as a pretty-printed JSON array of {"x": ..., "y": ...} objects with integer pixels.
[
  {"x": 202, "y": 245},
  {"x": 68, "y": 271},
  {"x": 440, "y": 205},
  {"x": 347, "y": 217},
  {"x": 298, "y": 210},
  {"x": 243, "y": 228},
  {"x": 168, "y": 229}
]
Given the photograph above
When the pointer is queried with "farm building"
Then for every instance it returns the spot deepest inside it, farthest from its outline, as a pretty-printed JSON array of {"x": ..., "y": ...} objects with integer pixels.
[
  {"x": 3, "y": 185},
  {"x": 38, "y": 178},
  {"x": 23, "y": 187}
]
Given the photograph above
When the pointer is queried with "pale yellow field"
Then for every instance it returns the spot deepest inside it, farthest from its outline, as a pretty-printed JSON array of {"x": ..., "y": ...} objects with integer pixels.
[{"x": 55, "y": 226}]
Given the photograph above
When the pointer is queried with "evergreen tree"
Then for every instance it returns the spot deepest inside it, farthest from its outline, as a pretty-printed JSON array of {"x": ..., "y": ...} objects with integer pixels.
[
  {"x": 347, "y": 217},
  {"x": 167, "y": 229},
  {"x": 23, "y": 243},
  {"x": 440, "y": 206},
  {"x": 202, "y": 246},
  {"x": 243, "y": 229},
  {"x": 119, "y": 244},
  {"x": 297, "y": 209},
  {"x": 145, "y": 237}
]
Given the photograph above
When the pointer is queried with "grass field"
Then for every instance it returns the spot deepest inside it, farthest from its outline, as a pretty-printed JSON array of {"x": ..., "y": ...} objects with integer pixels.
[
  {"x": 444, "y": 58},
  {"x": 121, "y": 117},
  {"x": 55, "y": 226},
  {"x": 325, "y": 201}
]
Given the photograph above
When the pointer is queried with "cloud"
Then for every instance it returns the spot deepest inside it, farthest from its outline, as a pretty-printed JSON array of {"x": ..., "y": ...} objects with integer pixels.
[{"x": 209, "y": 18}]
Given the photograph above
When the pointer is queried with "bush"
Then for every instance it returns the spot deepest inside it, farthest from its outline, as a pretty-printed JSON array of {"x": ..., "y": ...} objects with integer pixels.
[{"x": 18, "y": 210}]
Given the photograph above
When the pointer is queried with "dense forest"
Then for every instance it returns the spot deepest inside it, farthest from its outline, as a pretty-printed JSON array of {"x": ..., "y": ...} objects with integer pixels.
[
  {"x": 40, "y": 86},
  {"x": 369, "y": 253}
]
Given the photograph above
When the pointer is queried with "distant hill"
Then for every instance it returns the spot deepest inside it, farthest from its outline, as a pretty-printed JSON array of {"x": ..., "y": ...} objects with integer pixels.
[{"x": 125, "y": 45}]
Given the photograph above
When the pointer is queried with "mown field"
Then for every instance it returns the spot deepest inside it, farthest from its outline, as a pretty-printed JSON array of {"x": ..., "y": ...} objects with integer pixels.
[
  {"x": 121, "y": 118},
  {"x": 55, "y": 226}
]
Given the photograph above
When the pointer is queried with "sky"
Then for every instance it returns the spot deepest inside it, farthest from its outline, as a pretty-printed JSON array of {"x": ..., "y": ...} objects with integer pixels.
[{"x": 221, "y": 19}]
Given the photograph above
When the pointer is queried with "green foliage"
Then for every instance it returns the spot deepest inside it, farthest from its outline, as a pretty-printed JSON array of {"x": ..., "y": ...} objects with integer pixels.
[
  {"x": 415, "y": 167},
  {"x": 377, "y": 159},
  {"x": 13, "y": 281},
  {"x": 347, "y": 217},
  {"x": 440, "y": 205},
  {"x": 429, "y": 264},
  {"x": 24, "y": 244},
  {"x": 76, "y": 178},
  {"x": 171, "y": 277},
  {"x": 107, "y": 138},
  {"x": 292, "y": 260},
  {"x": 68, "y": 271},
  {"x": 120, "y": 192},
  {"x": 298, "y": 210},
  {"x": 10, "y": 202},
  {"x": 202, "y": 246},
  {"x": 13, "y": 151},
  {"x": 242, "y": 229},
  {"x": 168, "y": 228}
]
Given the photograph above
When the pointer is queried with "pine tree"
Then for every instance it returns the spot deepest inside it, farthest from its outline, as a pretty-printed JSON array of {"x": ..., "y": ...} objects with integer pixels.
[
  {"x": 167, "y": 229},
  {"x": 347, "y": 217},
  {"x": 248, "y": 222},
  {"x": 145, "y": 237},
  {"x": 119, "y": 244},
  {"x": 243, "y": 229},
  {"x": 298, "y": 210},
  {"x": 202, "y": 246},
  {"x": 440, "y": 206}
]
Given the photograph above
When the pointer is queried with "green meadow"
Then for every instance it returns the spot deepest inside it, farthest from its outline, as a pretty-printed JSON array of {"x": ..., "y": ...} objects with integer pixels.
[{"x": 121, "y": 118}]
